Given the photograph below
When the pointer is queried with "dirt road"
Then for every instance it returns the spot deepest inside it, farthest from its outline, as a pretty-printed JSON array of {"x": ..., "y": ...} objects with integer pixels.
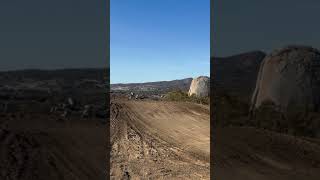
[
  {"x": 244, "y": 153},
  {"x": 159, "y": 140},
  {"x": 40, "y": 147}
]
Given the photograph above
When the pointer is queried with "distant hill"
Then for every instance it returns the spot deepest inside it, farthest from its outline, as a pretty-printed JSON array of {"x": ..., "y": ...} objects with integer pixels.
[
  {"x": 236, "y": 74},
  {"x": 182, "y": 84},
  {"x": 86, "y": 85},
  {"x": 66, "y": 75}
]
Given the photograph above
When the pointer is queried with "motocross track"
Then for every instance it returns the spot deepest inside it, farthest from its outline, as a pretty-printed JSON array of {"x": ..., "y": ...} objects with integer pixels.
[
  {"x": 159, "y": 140},
  {"x": 244, "y": 153},
  {"x": 37, "y": 147}
]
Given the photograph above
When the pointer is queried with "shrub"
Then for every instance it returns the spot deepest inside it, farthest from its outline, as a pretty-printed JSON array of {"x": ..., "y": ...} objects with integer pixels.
[
  {"x": 184, "y": 97},
  {"x": 229, "y": 110},
  {"x": 294, "y": 120}
]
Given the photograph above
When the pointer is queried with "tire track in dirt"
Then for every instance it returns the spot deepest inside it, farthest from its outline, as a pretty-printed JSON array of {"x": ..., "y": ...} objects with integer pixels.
[
  {"x": 246, "y": 153},
  {"x": 16, "y": 154},
  {"x": 140, "y": 150},
  {"x": 37, "y": 148}
]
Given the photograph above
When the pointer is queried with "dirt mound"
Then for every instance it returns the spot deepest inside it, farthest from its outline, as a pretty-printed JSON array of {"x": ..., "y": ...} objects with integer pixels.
[
  {"x": 200, "y": 86},
  {"x": 289, "y": 76},
  {"x": 159, "y": 140}
]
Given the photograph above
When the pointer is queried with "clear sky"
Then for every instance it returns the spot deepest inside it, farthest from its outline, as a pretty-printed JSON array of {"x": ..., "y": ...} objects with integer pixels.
[
  {"x": 44, "y": 34},
  {"x": 155, "y": 40},
  {"x": 246, "y": 25}
]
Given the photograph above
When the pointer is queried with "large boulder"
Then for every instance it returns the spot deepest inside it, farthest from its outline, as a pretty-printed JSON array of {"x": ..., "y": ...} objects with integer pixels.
[
  {"x": 289, "y": 77},
  {"x": 200, "y": 86}
]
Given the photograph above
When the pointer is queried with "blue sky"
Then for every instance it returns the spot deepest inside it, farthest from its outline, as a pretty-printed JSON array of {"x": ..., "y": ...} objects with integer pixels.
[
  {"x": 247, "y": 25},
  {"x": 153, "y": 40},
  {"x": 53, "y": 34}
]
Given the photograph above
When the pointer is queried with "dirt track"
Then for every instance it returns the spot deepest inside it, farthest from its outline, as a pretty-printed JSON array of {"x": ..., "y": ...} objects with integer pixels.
[
  {"x": 159, "y": 140},
  {"x": 38, "y": 147},
  {"x": 253, "y": 154}
]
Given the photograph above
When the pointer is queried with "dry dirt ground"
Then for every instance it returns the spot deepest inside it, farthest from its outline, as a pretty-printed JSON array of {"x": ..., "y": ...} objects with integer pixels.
[
  {"x": 159, "y": 140},
  {"x": 244, "y": 153},
  {"x": 38, "y": 147}
]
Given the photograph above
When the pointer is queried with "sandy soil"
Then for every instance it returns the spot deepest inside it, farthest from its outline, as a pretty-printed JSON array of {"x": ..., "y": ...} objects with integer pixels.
[
  {"x": 251, "y": 154},
  {"x": 40, "y": 147},
  {"x": 159, "y": 140}
]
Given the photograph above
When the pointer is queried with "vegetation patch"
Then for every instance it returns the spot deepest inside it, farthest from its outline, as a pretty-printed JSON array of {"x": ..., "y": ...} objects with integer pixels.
[
  {"x": 229, "y": 110},
  {"x": 298, "y": 121},
  {"x": 179, "y": 95}
]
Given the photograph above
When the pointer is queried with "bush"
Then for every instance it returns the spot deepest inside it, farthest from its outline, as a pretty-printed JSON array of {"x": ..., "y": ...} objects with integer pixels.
[
  {"x": 294, "y": 120},
  {"x": 184, "y": 97},
  {"x": 229, "y": 110}
]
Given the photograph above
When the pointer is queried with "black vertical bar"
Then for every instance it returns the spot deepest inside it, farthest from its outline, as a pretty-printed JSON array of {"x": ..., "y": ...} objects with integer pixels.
[{"x": 107, "y": 79}]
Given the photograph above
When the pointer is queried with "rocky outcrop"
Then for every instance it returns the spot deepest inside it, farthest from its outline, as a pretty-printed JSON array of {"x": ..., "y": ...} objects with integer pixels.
[
  {"x": 200, "y": 86},
  {"x": 289, "y": 77}
]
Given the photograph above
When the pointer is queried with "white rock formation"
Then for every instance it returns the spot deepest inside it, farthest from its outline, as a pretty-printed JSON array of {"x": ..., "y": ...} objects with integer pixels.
[
  {"x": 289, "y": 76},
  {"x": 200, "y": 86}
]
